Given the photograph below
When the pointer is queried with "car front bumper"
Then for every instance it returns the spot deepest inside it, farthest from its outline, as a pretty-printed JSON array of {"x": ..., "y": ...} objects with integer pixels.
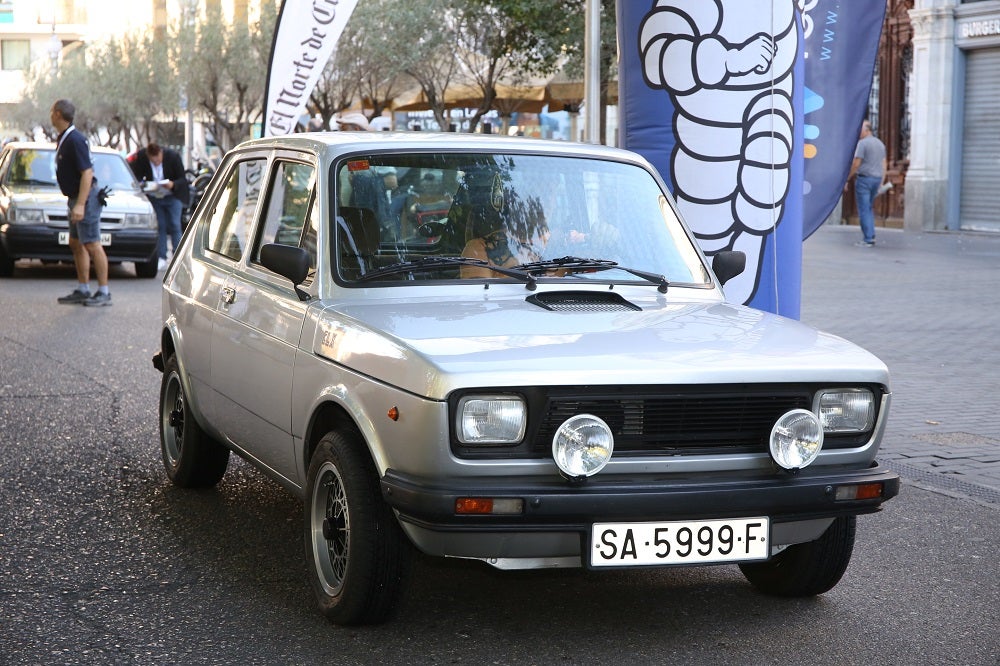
[
  {"x": 557, "y": 515},
  {"x": 42, "y": 242}
]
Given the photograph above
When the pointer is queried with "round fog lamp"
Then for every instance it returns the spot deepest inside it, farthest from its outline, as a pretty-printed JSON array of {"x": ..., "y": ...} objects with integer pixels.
[
  {"x": 582, "y": 446},
  {"x": 796, "y": 439}
]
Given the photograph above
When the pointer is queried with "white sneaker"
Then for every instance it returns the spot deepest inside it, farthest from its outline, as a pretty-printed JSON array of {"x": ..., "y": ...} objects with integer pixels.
[{"x": 161, "y": 265}]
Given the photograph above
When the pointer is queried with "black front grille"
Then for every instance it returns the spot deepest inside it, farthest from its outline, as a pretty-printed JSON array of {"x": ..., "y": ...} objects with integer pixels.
[{"x": 678, "y": 424}]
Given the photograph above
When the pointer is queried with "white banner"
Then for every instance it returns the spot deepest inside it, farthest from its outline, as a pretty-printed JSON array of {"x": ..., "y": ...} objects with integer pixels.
[{"x": 304, "y": 38}]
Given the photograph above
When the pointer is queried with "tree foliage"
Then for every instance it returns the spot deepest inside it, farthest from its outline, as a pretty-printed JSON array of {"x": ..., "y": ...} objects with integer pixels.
[{"x": 138, "y": 87}]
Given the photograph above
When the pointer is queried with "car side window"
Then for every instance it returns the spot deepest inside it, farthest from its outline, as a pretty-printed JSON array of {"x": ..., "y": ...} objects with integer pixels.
[{"x": 232, "y": 218}]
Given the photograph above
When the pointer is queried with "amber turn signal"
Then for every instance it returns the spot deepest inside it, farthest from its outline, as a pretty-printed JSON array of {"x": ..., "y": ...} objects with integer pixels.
[{"x": 488, "y": 506}]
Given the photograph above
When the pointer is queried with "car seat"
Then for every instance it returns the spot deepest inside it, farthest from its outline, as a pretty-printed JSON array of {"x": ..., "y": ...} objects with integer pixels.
[{"x": 357, "y": 241}]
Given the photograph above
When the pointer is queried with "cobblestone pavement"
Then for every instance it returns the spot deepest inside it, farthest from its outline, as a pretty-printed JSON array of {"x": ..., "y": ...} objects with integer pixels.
[{"x": 928, "y": 304}]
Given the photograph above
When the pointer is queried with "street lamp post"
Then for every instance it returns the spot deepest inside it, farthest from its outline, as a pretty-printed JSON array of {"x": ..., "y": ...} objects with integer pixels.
[{"x": 592, "y": 72}]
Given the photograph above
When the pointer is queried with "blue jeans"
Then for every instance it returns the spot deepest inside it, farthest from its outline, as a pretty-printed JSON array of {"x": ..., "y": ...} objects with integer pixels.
[
  {"x": 865, "y": 191},
  {"x": 168, "y": 219}
]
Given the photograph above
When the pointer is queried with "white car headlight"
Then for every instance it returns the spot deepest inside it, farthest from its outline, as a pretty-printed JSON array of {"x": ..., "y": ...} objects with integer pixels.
[
  {"x": 139, "y": 221},
  {"x": 491, "y": 419},
  {"x": 846, "y": 410},
  {"x": 796, "y": 439},
  {"x": 19, "y": 215},
  {"x": 582, "y": 446}
]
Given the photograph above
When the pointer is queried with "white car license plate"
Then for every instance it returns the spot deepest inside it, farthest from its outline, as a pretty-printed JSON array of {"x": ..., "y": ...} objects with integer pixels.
[
  {"x": 679, "y": 542},
  {"x": 64, "y": 238}
]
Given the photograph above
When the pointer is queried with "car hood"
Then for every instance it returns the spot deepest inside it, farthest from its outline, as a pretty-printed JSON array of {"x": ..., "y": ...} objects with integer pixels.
[
  {"x": 432, "y": 348},
  {"x": 50, "y": 198}
]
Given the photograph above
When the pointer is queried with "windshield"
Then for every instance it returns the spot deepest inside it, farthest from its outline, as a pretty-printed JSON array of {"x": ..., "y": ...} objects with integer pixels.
[
  {"x": 38, "y": 167},
  {"x": 504, "y": 211}
]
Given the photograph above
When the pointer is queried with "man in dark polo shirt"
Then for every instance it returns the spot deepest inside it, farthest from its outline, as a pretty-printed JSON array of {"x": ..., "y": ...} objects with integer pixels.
[{"x": 75, "y": 173}]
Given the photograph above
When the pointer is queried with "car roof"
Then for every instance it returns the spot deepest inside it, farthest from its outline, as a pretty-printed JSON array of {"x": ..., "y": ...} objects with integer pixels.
[
  {"x": 444, "y": 141},
  {"x": 45, "y": 145}
]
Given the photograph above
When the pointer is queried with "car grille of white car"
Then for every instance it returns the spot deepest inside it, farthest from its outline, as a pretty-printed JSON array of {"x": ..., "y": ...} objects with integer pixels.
[
  {"x": 62, "y": 220},
  {"x": 689, "y": 420}
]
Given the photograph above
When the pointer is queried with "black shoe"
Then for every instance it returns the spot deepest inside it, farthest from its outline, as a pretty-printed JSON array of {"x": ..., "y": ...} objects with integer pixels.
[
  {"x": 76, "y": 297},
  {"x": 99, "y": 299}
]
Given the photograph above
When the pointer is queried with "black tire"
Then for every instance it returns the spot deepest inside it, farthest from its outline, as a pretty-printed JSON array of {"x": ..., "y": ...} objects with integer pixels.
[
  {"x": 146, "y": 269},
  {"x": 192, "y": 458},
  {"x": 806, "y": 569},
  {"x": 6, "y": 264},
  {"x": 359, "y": 558}
]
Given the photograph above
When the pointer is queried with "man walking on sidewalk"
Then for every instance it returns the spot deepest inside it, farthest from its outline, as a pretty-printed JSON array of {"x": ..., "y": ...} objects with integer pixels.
[
  {"x": 75, "y": 174},
  {"x": 870, "y": 167}
]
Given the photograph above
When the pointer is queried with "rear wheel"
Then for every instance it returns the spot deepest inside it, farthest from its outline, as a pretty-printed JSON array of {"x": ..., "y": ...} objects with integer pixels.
[
  {"x": 806, "y": 569},
  {"x": 192, "y": 458},
  {"x": 359, "y": 556}
]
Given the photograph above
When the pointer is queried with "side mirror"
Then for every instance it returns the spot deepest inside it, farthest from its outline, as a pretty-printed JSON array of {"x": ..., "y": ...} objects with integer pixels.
[
  {"x": 728, "y": 264},
  {"x": 287, "y": 261}
]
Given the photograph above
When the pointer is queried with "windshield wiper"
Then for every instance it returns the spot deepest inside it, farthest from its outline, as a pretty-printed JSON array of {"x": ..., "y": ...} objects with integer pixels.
[
  {"x": 430, "y": 263},
  {"x": 33, "y": 181},
  {"x": 575, "y": 264},
  {"x": 524, "y": 272}
]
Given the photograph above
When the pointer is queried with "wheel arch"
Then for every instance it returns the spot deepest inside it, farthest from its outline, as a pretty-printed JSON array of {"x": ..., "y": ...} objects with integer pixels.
[
  {"x": 168, "y": 347},
  {"x": 327, "y": 416}
]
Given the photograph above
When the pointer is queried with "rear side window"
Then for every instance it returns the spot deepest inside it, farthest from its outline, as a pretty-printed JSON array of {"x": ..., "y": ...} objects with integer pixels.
[
  {"x": 231, "y": 220},
  {"x": 288, "y": 204}
]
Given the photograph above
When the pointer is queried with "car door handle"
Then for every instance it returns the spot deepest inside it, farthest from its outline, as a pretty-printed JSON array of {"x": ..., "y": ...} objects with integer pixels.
[{"x": 228, "y": 295}]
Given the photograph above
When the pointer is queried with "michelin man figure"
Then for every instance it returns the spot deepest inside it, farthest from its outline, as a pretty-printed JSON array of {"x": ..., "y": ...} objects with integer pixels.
[{"x": 728, "y": 67}]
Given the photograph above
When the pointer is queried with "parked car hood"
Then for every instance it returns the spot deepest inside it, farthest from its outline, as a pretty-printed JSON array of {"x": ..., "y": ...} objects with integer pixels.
[
  {"x": 50, "y": 198},
  {"x": 432, "y": 348}
]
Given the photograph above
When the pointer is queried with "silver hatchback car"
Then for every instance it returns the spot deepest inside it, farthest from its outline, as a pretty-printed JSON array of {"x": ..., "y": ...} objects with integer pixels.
[
  {"x": 34, "y": 220},
  {"x": 505, "y": 350}
]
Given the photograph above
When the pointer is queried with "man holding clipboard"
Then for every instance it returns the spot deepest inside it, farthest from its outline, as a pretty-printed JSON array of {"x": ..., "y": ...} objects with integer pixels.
[{"x": 161, "y": 171}]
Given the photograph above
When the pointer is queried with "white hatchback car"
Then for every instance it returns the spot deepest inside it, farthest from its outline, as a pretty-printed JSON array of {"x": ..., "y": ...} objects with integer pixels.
[
  {"x": 506, "y": 350},
  {"x": 34, "y": 219}
]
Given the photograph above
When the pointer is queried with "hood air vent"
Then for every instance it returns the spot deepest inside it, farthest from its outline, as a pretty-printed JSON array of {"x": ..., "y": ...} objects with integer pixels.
[{"x": 582, "y": 301}]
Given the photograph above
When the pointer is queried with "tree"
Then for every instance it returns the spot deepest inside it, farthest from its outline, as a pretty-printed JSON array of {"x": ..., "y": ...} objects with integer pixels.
[
  {"x": 375, "y": 57},
  {"x": 118, "y": 87},
  {"x": 510, "y": 40},
  {"x": 222, "y": 67},
  {"x": 432, "y": 64},
  {"x": 335, "y": 91}
]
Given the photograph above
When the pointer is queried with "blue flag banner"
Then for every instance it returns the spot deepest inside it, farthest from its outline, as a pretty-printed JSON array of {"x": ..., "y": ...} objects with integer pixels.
[
  {"x": 841, "y": 48},
  {"x": 714, "y": 94}
]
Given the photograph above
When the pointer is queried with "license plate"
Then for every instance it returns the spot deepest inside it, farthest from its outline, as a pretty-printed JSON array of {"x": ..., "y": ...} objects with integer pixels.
[
  {"x": 679, "y": 542},
  {"x": 64, "y": 238}
]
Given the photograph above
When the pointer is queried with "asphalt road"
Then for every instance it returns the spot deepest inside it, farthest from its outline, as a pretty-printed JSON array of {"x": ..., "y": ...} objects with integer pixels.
[{"x": 103, "y": 562}]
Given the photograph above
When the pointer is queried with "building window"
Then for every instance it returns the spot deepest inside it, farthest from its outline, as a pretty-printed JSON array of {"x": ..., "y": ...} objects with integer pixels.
[{"x": 15, "y": 54}]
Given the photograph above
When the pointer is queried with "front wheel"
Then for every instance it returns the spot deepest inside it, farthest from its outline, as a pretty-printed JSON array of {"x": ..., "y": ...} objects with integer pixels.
[
  {"x": 192, "y": 458},
  {"x": 6, "y": 264},
  {"x": 359, "y": 556},
  {"x": 806, "y": 569},
  {"x": 146, "y": 269}
]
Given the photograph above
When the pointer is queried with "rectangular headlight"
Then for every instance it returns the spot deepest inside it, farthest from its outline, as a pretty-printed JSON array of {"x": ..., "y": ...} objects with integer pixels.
[
  {"x": 491, "y": 419},
  {"x": 138, "y": 221},
  {"x": 846, "y": 410},
  {"x": 20, "y": 215}
]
